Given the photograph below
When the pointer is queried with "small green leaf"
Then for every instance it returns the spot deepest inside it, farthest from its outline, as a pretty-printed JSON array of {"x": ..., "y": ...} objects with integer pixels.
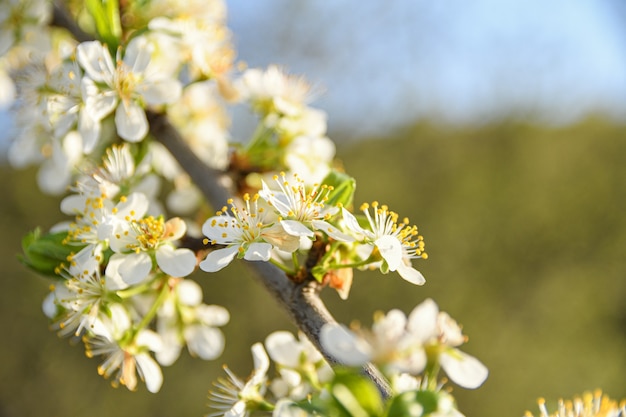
[
  {"x": 44, "y": 253},
  {"x": 318, "y": 272},
  {"x": 356, "y": 393},
  {"x": 343, "y": 188},
  {"x": 106, "y": 16},
  {"x": 413, "y": 404}
]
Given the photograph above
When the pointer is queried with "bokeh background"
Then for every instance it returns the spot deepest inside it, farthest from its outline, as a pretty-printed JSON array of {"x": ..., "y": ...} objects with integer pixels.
[{"x": 498, "y": 127}]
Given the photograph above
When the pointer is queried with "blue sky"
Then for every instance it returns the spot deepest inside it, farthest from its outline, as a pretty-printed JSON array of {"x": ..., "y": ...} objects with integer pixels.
[
  {"x": 379, "y": 64},
  {"x": 383, "y": 63}
]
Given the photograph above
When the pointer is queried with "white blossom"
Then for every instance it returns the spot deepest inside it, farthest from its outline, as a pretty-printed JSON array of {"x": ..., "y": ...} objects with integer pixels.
[
  {"x": 183, "y": 318},
  {"x": 402, "y": 344},
  {"x": 302, "y": 211},
  {"x": 231, "y": 396},
  {"x": 245, "y": 235},
  {"x": 397, "y": 243},
  {"x": 125, "y": 86},
  {"x": 123, "y": 358}
]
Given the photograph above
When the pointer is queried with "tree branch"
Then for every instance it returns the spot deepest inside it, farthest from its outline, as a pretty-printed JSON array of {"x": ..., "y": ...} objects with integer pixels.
[
  {"x": 62, "y": 19},
  {"x": 300, "y": 300}
]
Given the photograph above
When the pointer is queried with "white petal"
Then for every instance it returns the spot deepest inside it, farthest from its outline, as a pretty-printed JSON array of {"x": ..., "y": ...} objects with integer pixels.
[
  {"x": 352, "y": 223},
  {"x": 277, "y": 199},
  {"x": 96, "y": 60},
  {"x": 149, "y": 339},
  {"x": 288, "y": 408},
  {"x": 238, "y": 410},
  {"x": 283, "y": 348},
  {"x": 332, "y": 231},
  {"x": 49, "y": 305},
  {"x": 161, "y": 92},
  {"x": 89, "y": 129},
  {"x": 150, "y": 372},
  {"x": 295, "y": 228},
  {"x": 411, "y": 274},
  {"x": 189, "y": 292},
  {"x": 131, "y": 121},
  {"x": 220, "y": 229},
  {"x": 414, "y": 363},
  {"x": 113, "y": 279},
  {"x": 344, "y": 345},
  {"x": 261, "y": 362},
  {"x": 73, "y": 204},
  {"x": 219, "y": 259},
  {"x": 175, "y": 262},
  {"x": 204, "y": 342},
  {"x": 98, "y": 105},
  {"x": 137, "y": 55},
  {"x": 258, "y": 251},
  {"x": 135, "y": 268},
  {"x": 423, "y": 320},
  {"x": 135, "y": 206},
  {"x": 390, "y": 327},
  {"x": 172, "y": 347},
  {"x": 212, "y": 315},
  {"x": 463, "y": 369},
  {"x": 390, "y": 249},
  {"x": 52, "y": 178}
]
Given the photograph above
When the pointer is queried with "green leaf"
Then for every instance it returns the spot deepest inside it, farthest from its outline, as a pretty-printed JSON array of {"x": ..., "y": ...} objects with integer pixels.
[
  {"x": 106, "y": 16},
  {"x": 44, "y": 253},
  {"x": 356, "y": 393},
  {"x": 413, "y": 404},
  {"x": 343, "y": 188},
  {"x": 318, "y": 273}
]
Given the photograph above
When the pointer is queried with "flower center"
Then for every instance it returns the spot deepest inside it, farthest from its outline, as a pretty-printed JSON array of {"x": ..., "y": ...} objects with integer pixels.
[{"x": 150, "y": 231}]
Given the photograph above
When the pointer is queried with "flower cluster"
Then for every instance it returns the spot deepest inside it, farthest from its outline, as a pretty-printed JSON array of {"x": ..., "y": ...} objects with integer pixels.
[
  {"x": 291, "y": 135},
  {"x": 291, "y": 215},
  {"x": 122, "y": 265},
  {"x": 305, "y": 385},
  {"x": 123, "y": 287},
  {"x": 301, "y": 372},
  {"x": 75, "y": 99},
  {"x": 425, "y": 341},
  {"x": 588, "y": 405}
]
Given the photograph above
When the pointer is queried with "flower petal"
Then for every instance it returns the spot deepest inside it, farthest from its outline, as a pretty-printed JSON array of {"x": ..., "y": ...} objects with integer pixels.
[
  {"x": 175, "y": 262},
  {"x": 331, "y": 231},
  {"x": 204, "y": 342},
  {"x": 352, "y": 223},
  {"x": 150, "y": 372},
  {"x": 96, "y": 60},
  {"x": 131, "y": 121},
  {"x": 219, "y": 259},
  {"x": 135, "y": 268},
  {"x": 410, "y": 274},
  {"x": 258, "y": 251},
  {"x": 295, "y": 228},
  {"x": 465, "y": 370},
  {"x": 390, "y": 249},
  {"x": 189, "y": 292},
  {"x": 344, "y": 345},
  {"x": 261, "y": 363},
  {"x": 161, "y": 92},
  {"x": 423, "y": 320},
  {"x": 283, "y": 348},
  {"x": 221, "y": 229}
]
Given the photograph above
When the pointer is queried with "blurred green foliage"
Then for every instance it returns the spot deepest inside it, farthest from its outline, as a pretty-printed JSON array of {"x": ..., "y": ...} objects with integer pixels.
[{"x": 525, "y": 227}]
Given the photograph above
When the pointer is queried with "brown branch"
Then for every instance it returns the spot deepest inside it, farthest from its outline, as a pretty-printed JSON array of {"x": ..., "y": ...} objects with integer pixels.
[
  {"x": 61, "y": 18},
  {"x": 301, "y": 301}
]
